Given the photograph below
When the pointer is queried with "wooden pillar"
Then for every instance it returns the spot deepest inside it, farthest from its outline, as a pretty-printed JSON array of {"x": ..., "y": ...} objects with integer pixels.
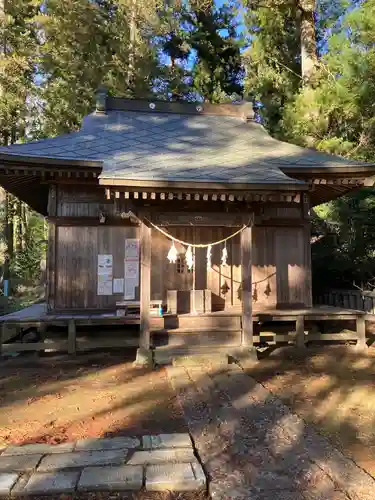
[
  {"x": 361, "y": 332},
  {"x": 247, "y": 300},
  {"x": 72, "y": 346},
  {"x": 300, "y": 332},
  {"x": 145, "y": 289}
]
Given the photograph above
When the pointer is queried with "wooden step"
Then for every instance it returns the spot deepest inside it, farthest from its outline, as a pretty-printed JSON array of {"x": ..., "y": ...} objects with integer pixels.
[
  {"x": 187, "y": 321},
  {"x": 197, "y": 337}
]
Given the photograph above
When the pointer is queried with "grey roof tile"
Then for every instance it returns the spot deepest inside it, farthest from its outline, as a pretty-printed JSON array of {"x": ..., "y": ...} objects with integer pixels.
[{"x": 164, "y": 146}]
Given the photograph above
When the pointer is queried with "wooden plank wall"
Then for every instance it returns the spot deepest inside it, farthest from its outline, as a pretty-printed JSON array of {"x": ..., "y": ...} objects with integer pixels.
[
  {"x": 281, "y": 267},
  {"x": 76, "y": 264},
  {"x": 75, "y": 201}
]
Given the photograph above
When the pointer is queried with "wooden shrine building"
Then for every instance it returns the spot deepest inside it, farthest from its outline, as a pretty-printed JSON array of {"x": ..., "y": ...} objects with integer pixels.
[{"x": 140, "y": 172}]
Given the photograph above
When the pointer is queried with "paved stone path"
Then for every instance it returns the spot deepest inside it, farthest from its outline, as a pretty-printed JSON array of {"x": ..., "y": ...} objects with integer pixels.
[
  {"x": 157, "y": 463},
  {"x": 253, "y": 447}
]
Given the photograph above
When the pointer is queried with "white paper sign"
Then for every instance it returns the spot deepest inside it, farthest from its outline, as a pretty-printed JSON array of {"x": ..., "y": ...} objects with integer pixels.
[
  {"x": 130, "y": 286},
  {"x": 132, "y": 249},
  {"x": 132, "y": 271},
  {"x": 105, "y": 274},
  {"x": 104, "y": 285},
  {"x": 118, "y": 285},
  {"x": 105, "y": 264}
]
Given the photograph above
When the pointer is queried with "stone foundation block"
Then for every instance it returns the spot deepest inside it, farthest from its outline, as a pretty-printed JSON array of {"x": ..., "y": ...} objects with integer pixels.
[
  {"x": 106, "y": 444},
  {"x": 125, "y": 477},
  {"x": 178, "y": 440},
  {"x": 7, "y": 481},
  {"x": 31, "y": 449},
  {"x": 175, "y": 477},
  {"x": 82, "y": 459},
  {"x": 22, "y": 463},
  {"x": 51, "y": 482},
  {"x": 144, "y": 358},
  {"x": 161, "y": 456}
]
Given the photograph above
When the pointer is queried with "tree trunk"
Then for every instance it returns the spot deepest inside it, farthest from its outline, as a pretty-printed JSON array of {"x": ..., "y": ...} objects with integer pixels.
[{"x": 309, "y": 58}]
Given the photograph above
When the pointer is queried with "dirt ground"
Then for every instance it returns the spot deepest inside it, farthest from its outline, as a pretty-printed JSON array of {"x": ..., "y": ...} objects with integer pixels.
[
  {"x": 332, "y": 387},
  {"x": 58, "y": 399}
]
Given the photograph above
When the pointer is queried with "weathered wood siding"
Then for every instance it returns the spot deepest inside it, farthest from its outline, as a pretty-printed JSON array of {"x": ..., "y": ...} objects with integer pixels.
[
  {"x": 281, "y": 267},
  {"x": 77, "y": 201},
  {"x": 281, "y": 264},
  {"x": 76, "y": 264}
]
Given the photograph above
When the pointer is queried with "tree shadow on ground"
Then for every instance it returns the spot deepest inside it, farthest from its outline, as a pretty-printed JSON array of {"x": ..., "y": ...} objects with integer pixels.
[{"x": 248, "y": 440}]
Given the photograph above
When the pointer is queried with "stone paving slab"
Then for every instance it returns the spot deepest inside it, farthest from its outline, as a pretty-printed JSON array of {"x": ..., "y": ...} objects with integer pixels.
[
  {"x": 177, "y": 440},
  {"x": 125, "y": 477},
  {"x": 161, "y": 456},
  {"x": 32, "y": 449},
  {"x": 21, "y": 463},
  {"x": 82, "y": 459},
  {"x": 254, "y": 448},
  {"x": 174, "y": 477},
  {"x": 7, "y": 481},
  {"x": 51, "y": 482},
  {"x": 106, "y": 444}
]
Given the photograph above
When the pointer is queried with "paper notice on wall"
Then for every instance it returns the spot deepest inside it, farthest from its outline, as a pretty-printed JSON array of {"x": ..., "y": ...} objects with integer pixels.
[
  {"x": 132, "y": 271},
  {"x": 131, "y": 249},
  {"x": 105, "y": 264},
  {"x": 130, "y": 286},
  {"x": 104, "y": 284},
  {"x": 118, "y": 285},
  {"x": 105, "y": 274}
]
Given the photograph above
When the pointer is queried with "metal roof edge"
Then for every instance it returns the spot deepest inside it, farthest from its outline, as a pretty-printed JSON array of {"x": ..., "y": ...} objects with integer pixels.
[{"x": 48, "y": 161}]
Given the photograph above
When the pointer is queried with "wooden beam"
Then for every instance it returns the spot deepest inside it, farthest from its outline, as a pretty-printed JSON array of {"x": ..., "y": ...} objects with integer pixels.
[
  {"x": 145, "y": 288},
  {"x": 246, "y": 268}
]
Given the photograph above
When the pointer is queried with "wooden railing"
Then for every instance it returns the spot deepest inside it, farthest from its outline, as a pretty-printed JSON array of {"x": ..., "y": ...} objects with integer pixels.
[{"x": 348, "y": 299}]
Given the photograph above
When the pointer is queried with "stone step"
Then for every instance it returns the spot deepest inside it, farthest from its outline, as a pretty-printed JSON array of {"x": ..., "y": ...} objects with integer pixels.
[{"x": 193, "y": 356}]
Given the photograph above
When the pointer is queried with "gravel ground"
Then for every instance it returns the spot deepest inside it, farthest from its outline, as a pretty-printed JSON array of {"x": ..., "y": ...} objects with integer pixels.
[
  {"x": 58, "y": 399},
  {"x": 331, "y": 387}
]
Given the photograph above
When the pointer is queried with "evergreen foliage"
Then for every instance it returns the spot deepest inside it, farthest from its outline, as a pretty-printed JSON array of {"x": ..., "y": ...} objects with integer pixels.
[{"x": 308, "y": 64}]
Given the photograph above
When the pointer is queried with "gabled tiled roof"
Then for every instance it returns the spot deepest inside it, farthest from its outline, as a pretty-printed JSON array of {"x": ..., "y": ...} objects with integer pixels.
[{"x": 169, "y": 146}]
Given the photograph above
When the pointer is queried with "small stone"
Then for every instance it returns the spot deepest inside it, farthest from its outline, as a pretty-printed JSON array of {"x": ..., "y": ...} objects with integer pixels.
[
  {"x": 174, "y": 477},
  {"x": 30, "y": 449},
  {"x": 177, "y": 440},
  {"x": 52, "y": 482},
  {"x": 82, "y": 459},
  {"x": 21, "y": 463},
  {"x": 161, "y": 456},
  {"x": 106, "y": 444},
  {"x": 125, "y": 477},
  {"x": 7, "y": 481}
]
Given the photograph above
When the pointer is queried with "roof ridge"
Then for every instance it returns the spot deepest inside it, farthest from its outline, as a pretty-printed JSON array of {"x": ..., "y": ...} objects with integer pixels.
[{"x": 243, "y": 109}]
